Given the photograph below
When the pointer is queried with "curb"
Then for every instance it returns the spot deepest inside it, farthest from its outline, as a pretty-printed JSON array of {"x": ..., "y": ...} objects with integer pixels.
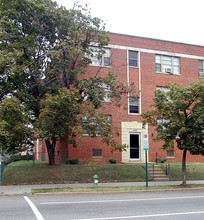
[{"x": 115, "y": 192}]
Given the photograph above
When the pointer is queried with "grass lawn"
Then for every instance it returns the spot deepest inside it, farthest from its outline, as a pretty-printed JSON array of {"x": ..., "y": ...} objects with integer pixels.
[
  {"x": 194, "y": 171},
  {"x": 23, "y": 172}
]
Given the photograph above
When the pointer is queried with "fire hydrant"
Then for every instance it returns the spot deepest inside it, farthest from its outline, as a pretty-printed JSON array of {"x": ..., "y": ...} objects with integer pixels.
[{"x": 95, "y": 181}]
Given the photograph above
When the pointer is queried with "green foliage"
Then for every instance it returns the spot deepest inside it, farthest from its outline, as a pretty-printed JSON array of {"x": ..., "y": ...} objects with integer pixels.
[
  {"x": 14, "y": 125},
  {"x": 60, "y": 115},
  {"x": 73, "y": 161},
  {"x": 111, "y": 160},
  {"x": 161, "y": 160},
  {"x": 182, "y": 109},
  {"x": 45, "y": 48}
]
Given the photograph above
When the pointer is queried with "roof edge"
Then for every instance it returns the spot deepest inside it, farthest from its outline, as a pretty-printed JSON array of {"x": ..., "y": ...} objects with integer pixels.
[{"x": 149, "y": 38}]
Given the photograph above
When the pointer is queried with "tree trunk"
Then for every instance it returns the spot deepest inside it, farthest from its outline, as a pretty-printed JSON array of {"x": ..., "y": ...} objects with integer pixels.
[
  {"x": 184, "y": 168},
  {"x": 51, "y": 152}
]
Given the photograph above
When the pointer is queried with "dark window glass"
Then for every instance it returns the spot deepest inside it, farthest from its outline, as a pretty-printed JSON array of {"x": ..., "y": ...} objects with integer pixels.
[
  {"x": 133, "y": 105},
  {"x": 133, "y": 58},
  {"x": 96, "y": 153}
]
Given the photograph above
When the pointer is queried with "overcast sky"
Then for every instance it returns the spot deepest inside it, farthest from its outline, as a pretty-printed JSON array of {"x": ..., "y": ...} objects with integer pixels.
[{"x": 173, "y": 20}]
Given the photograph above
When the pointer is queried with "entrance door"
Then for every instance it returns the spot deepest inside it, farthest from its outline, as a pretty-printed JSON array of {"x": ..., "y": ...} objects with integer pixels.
[{"x": 135, "y": 146}]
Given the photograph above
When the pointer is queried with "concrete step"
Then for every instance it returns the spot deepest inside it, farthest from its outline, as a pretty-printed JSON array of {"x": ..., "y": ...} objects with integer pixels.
[{"x": 159, "y": 174}]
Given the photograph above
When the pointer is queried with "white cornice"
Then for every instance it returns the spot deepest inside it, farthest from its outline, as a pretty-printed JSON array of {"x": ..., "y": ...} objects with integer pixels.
[{"x": 156, "y": 52}]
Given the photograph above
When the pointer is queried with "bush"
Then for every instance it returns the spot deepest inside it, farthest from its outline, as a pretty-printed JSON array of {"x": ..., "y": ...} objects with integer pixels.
[
  {"x": 73, "y": 161},
  {"x": 30, "y": 157},
  {"x": 161, "y": 160},
  {"x": 111, "y": 160}
]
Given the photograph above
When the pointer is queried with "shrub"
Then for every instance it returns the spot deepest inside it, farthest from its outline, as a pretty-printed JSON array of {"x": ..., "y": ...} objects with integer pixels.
[
  {"x": 73, "y": 161},
  {"x": 111, "y": 160},
  {"x": 161, "y": 160}
]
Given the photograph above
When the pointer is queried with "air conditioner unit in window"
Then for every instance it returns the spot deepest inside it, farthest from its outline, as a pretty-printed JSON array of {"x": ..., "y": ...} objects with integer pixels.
[
  {"x": 201, "y": 74},
  {"x": 168, "y": 70}
]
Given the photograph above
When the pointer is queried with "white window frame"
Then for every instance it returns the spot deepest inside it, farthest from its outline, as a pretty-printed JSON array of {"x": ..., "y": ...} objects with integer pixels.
[
  {"x": 133, "y": 59},
  {"x": 201, "y": 71},
  {"x": 95, "y": 61},
  {"x": 131, "y": 103},
  {"x": 165, "y": 67}
]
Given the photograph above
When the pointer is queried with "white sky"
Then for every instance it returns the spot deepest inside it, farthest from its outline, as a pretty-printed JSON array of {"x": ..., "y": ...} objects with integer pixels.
[{"x": 173, "y": 20}]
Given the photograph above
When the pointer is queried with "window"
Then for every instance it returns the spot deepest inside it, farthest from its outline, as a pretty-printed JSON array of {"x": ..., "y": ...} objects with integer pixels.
[
  {"x": 133, "y": 58},
  {"x": 96, "y": 60},
  {"x": 133, "y": 105},
  {"x": 201, "y": 68},
  {"x": 91, "y": 127},
  {"x": 167, "y": 64},
  {"x": 170, "y": 153},
  {"x": 96, "y": 153}
]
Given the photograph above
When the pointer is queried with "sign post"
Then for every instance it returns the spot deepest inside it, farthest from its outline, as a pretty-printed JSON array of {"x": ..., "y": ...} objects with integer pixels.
[{"x": 146, "y": 148}]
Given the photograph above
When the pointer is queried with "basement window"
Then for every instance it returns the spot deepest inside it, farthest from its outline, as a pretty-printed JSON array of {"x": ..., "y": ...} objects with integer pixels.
[
  {"x": 170, "y": 153},
  {"x": 96, "y": 153}
]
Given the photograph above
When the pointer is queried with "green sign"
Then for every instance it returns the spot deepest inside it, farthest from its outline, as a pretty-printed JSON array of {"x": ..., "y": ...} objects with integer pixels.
[{"x": 145, "y": 142}]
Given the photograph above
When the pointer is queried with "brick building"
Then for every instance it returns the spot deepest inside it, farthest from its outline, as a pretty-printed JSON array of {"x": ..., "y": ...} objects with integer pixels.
[{"x": 149, "y": 64}]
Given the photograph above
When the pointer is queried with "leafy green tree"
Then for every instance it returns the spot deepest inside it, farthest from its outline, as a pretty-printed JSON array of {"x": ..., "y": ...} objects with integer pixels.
[
  {"x": 45, "y": 47},
  {"x": 181, "y": 110},
  {"x": 59, "y": 119},
  {"x": 15, "y": 129}
]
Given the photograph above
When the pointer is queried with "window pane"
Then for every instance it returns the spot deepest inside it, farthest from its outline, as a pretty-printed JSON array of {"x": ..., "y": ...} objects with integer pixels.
[
  {"x": 133, "y": 63},
  {"x": 158, "y": 59},
  {"x": 176, "y": 61},
  {"x": 200, "y": 62},
  {"x": 176, "y": 70},
  {"x": 170, "y": 153},
  {"x": 96, "y": 153},
  {"x": 158, "y": 67},
  {"x": 133, "y": 58},
  {"x": 106, "y": 61},
  {"x": 132, "y": 55},
  {"x": 133, "y": 105},
  {"x": 134, "y": 109}
]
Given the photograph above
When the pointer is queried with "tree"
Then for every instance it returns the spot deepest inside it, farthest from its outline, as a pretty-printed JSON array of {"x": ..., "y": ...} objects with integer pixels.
[
  {"x": 45, "y": 47},
  {"x": 15, "y": 131},
  {"x": 59, "y": 119},
  {"x": 181, "y": 111}
]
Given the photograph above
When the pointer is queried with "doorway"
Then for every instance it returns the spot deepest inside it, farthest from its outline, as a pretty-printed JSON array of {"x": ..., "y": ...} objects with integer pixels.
[{"x": 134, "y": 146}]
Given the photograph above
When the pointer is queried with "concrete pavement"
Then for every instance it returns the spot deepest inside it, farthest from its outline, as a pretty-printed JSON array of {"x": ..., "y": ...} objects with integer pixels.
[{"x": 26, "y": 189}]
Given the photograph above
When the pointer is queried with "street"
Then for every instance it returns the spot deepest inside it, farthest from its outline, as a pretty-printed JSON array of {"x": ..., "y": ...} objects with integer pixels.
[{"x": 186, "y": 204}]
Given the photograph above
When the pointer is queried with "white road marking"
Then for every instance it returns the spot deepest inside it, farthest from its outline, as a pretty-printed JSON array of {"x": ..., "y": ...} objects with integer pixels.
[
  {"x": 146, "y": 216},
  {"x": 121, "y": 200},
  {"x": 34, "y": 209}
]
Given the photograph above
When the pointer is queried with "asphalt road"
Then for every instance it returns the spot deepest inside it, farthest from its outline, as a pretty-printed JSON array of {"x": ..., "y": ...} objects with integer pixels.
[{"x": 188, "y": 205}]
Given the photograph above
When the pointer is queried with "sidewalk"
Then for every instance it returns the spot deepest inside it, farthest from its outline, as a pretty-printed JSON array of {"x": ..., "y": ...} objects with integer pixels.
[{"x": 26, "y": 189}]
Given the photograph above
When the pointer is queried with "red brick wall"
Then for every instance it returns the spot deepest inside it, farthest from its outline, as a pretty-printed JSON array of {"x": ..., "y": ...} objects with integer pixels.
[{"x": 149, "y": 81}]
